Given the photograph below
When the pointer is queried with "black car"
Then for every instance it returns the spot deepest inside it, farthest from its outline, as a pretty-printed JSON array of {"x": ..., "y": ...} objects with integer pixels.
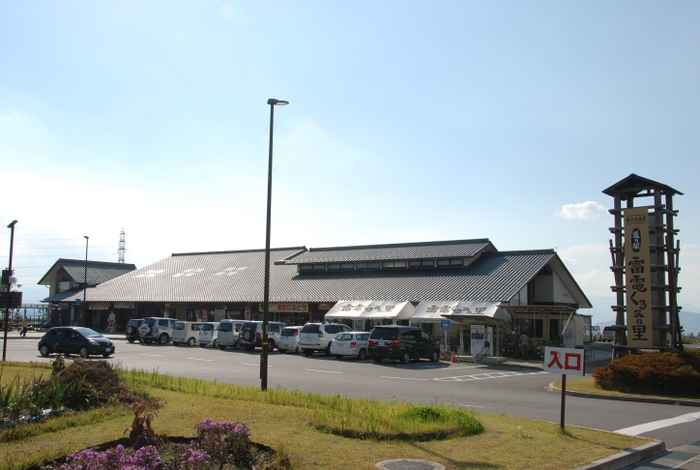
[
  {"x": 132, "y": 330},
  {"x": 75, "y": 340},
  {"x": 402, "y": 343}
]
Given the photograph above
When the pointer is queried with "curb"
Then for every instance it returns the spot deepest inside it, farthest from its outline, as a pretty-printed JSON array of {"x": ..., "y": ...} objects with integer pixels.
[
  {"x": 663, "y": 401},
  {"x": 626, "y": 457}
]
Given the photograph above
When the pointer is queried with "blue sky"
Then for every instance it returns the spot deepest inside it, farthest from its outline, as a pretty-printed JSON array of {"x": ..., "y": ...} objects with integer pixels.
[{"x": 408, "y": 121}]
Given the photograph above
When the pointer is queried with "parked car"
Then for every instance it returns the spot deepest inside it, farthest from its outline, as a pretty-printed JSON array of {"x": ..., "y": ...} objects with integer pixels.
[
  {"x": 186, "y": 332},
  {"x": 75, "y": 340},
  {"x": 289, "y": 339},
  {"x": 596, "y": 334},
  {"x": 350, "y": 344},
  {"x": 402, "y": 343},
  {"x": 157, "y": 329},
  {"x": 608, "y": 334},
  {"x": 251, "y": 334},
  {"x": 229, "y": 334},
  {"x": 208, "y": 334},
  {"x": 317, "y": 336},
  {"x": 132, "y": 330}
]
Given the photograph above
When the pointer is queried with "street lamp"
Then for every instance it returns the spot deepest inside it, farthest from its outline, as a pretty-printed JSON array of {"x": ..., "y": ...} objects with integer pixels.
[
  {"x": 266, "y": 291},
  {"x": 9, "y": 284},
  {"x": 82, "y": 308}
]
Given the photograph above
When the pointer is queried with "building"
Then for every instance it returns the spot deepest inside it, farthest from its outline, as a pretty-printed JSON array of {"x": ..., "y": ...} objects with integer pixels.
[
  {"x": 69, "y": 280},
  {"x": 534, "y": 286}
]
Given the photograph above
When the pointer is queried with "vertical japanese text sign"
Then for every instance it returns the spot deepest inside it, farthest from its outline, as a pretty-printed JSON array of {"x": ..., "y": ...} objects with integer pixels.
[
  {"x": 567, "y": 361},
  {"x": 638, "y": 278}
]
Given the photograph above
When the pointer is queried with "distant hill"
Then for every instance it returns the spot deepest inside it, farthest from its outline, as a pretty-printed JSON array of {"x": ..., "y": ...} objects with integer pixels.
[{"x": 690, "y": 321}]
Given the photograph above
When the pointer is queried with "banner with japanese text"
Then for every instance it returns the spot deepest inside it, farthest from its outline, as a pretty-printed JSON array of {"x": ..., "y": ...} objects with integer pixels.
[{"x": 638, "y": 278}]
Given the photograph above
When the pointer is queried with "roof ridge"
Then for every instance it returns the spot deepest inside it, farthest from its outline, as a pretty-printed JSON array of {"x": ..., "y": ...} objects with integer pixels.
[
  {"x": 256, "y": 250},
  {"x": 396, "y": 245}
]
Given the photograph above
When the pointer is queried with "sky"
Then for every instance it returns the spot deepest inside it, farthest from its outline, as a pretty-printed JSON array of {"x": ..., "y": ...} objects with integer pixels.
[{"x": 409, "y": 121}]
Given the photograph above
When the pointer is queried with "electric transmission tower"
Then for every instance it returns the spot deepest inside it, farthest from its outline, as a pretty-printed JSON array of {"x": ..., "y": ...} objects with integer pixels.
[{"x": 122, "y": 246}]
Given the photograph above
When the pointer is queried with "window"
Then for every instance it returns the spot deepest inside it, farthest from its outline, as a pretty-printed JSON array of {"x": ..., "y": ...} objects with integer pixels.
[
  {"x": 451, "y": 262},
  {"x": 347, "y": 266},
  {"x": 319, "y": 267},
  {"x": 305, "y": 267},
  {"x": 394, "y": 264},
  {"x": 423, "y": 263},
  {"x": 334, "y": 266},
  {"x": 368, "y": 265}
]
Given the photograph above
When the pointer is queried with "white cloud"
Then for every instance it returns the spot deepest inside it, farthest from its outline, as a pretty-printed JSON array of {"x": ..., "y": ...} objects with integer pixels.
[{"x": 583, "y": 210}]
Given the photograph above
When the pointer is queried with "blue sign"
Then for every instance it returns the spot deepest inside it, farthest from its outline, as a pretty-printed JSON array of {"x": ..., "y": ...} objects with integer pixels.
[
  {"x": 77, "y": 302},
  {"x": 445, "y": 325}
]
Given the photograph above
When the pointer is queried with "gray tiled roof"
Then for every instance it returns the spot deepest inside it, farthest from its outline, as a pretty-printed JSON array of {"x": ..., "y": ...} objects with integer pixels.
[
  {"x": 237, "y": 276},
  {"x": 400, "y": 251},
  {"x": 97, "y": 271}
]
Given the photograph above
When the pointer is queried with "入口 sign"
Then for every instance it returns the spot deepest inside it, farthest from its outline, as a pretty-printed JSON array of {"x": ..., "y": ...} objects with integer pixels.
[{"x": 567, "y": 361}]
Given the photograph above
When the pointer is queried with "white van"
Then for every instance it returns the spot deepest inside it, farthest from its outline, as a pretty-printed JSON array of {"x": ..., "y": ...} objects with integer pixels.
[
  {"x": 229, "y": 334},
  {"x": 209, "y": 334},
  {"x": 186, "y": 332}
]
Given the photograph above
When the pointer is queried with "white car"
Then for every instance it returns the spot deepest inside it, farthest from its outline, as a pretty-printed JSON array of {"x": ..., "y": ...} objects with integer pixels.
[
  {"x": 289, "y": 339},
  {"x": 317, "y": 337},
  {"x": 351, "y": 343},
  {"x": 596, "y": 334}
]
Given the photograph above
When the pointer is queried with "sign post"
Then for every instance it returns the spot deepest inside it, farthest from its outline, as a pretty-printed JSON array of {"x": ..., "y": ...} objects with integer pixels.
[{"x": 566, "y": 361}]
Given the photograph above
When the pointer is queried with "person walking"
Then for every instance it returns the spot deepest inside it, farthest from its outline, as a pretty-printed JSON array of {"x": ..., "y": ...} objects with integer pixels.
[
  {"x": 524, "y": 346},
  {"x": 514, "y": 340},
  {"x": 24, "y": 327}
]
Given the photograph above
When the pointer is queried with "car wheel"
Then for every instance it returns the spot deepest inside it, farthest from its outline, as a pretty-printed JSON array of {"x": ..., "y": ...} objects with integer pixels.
[
  {"x": 362, "y": 355},
  {"x": 406, "y": 358},
  {"x": 44, "y": 351},
  {"x": 434, "y": 356},
  {"x": 84, "y": 353},
  {"x": 377, "y": 360},
  {"x": 327, "y": 351},
  {"x": 270, "y": 344},
  {"x": 131, "y": 340},
  {"x": 163, "y": 339},
  {"x": 190, "y": 342},
  {"x": 282, "y": 350},
  {"x": 308, "y": 352},
  {"x": 338, "y": 356},
  {"x": 215, "y": 344},
  {"x": 296, "y": 350},
  {"x": 237, "y": 345}
]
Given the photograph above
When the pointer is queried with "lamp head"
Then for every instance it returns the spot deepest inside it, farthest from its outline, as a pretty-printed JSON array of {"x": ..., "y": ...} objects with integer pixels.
[
  {"x": 12, "y": 224},
  {"x": 86, "y": 237},
  {"x": 275, "y": 102}
]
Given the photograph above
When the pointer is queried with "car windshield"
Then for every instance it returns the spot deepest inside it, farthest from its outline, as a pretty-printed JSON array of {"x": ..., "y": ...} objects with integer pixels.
[
  {"x": 310, "y": 328},
  {"x": 384, "y": 333},
  {"x": 208, "y": 327},
  {"x": 289, "y": 332},
  {"x": 88, "y": 333},
  {"x": 226, "y": 327},
  {"x": 179, "y": 326}
]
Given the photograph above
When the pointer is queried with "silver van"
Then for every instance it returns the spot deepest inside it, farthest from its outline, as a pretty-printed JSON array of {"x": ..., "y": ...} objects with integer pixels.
[
  {"x": 186, "y": 332},
  {"x": 208, "y": 334},
  {"x": 229, "y": 334}
]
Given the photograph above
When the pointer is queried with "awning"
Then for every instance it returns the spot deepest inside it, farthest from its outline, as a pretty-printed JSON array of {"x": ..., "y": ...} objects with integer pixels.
[
  {"x": 362, "y": 309},
  {"x": 388, "y": 309},
  {"x": 435, "y": 311},
  {"x": 347, "y": 309}
]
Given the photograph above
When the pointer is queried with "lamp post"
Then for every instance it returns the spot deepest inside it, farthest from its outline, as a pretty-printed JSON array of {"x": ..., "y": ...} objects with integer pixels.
[
  {"x": 82, "y": 307},
  {"x": 266, "y": 290},
  {"x": 9, "y": 284}
]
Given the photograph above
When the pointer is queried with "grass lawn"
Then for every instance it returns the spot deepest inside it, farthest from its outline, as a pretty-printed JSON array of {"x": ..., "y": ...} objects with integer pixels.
[{"x": 283, "y": 419}]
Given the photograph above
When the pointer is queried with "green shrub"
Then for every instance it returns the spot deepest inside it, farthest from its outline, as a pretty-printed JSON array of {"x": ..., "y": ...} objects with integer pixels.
[{"x": 667, "y": 373}]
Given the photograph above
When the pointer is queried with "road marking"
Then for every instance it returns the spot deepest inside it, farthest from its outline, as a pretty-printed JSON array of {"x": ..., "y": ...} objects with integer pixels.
[
  {"x": 324, "y": 371},
  {"x": 253, "y": 364},
  {"x": 484, "y": 376},
  {"x": 400, "y": 378},
  {"x": 203, "y": 360},
  {"x": 150, "y": 355},
  {"x": 663, "y": 423}
]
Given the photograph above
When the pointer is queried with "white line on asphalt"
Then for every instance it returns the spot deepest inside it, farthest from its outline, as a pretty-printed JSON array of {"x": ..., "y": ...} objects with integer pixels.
[
  {"x": 150, "y": 355},
  {"x": 654, "y": 425},
  {"x": 400, "y": 378},
  {"x": 253, "y": 364},
  {"x": 325, "y": 371},
  {"x": 484, "y": 376},
  {"x": 203, "y": 360}
]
